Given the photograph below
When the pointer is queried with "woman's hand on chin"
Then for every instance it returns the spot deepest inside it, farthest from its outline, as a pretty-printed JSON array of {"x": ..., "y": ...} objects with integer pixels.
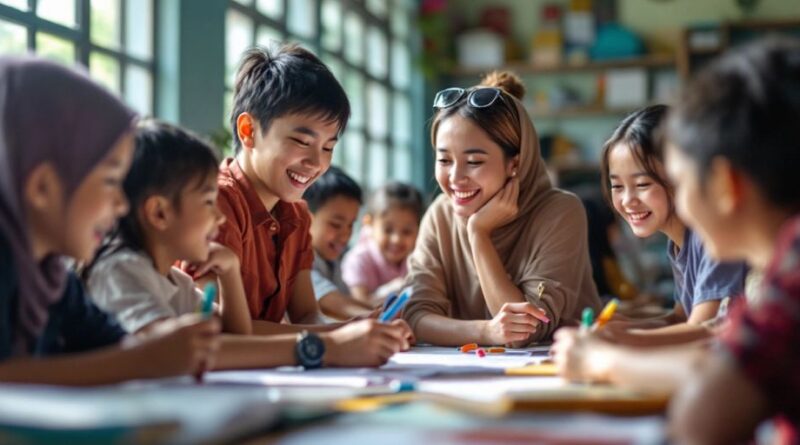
[{"x": 499, "y": 210}]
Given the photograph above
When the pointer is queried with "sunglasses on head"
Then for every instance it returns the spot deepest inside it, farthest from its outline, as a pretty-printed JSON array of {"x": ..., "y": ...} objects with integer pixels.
[{"x": 479, "y": 97}]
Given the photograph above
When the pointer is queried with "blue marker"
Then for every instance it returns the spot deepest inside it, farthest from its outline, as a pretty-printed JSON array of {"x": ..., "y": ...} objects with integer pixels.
[
  {"x": 396, "y": 306},
  {"x": 209, "y": 294}
]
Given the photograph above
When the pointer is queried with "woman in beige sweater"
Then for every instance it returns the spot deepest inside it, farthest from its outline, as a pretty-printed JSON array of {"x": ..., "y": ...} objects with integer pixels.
[{"x": 502, "y": 256}]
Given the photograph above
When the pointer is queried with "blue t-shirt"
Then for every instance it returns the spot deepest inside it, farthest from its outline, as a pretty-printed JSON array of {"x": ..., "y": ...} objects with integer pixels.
[
  {"x": 74, "y": 324},
  {"x": 698, "y": 278}
]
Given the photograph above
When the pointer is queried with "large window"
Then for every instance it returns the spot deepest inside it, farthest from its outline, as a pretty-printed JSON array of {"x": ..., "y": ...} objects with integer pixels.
[
  {"x": 367, "y": 46},
  {"x": 113, "y": 38}
]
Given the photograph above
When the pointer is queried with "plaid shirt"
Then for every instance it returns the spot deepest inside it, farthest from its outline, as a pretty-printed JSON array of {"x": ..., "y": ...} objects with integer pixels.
[{"x": 765, "y": 339}]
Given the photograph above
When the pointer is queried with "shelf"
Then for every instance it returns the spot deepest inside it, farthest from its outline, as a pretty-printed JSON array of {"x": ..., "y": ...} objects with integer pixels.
[
  {"x": 580, "y": 112},
  {"x": 522, "y": 68}
]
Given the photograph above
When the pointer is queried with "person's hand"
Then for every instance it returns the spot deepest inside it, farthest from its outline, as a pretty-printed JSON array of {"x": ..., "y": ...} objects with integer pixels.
[
  {"x": 580, "y": 357},
  {"x": 366, "y": 343},
  {"x": 499, "y": 210},
  {"x": 514, "y": 324},
  {"x": 184, "y": 345},
  {"x": 221, "y": 261}
]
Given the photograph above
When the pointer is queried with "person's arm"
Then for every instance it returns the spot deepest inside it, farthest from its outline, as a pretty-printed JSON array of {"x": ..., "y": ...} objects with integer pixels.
[
  {"x": 340, "y": 306},
  {"x": 445, "y": 331},
  {"x": 303, "y": 307},
  {"x": 717, "y": 405},
  {"x": 584, "y": 357},
  {"x": 179, "y": 349}
]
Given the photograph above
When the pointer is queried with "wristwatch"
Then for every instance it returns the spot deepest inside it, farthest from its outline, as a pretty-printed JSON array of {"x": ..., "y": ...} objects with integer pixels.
[{"x": 309, "y": 350}]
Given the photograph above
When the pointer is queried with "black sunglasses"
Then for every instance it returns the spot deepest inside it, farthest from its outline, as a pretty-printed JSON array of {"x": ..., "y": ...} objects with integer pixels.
[{"x": 480, "y": 97}]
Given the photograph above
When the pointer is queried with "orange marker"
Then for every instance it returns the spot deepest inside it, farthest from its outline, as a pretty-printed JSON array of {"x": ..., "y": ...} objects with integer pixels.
[
  {"x": 469, "y": 347},
  {"x": 497, "y": 350},
  {"x": 606, "y": 314}
]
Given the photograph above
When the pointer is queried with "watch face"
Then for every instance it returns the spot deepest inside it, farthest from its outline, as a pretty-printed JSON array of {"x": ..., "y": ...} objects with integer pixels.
[{"x": 310, "y": 350}]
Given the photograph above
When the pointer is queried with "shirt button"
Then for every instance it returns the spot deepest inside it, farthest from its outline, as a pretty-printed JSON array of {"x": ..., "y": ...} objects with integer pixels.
[{"x": 273, "y": 227}]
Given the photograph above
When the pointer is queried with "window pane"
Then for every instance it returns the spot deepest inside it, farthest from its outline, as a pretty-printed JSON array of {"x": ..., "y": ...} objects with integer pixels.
[
  {"x": 238, "y": 37},
  {"x": 55, "y": 48},
  {"x": 354, "y": 36},
  {"x": 19, "y": 4},
  {"x": 139, "y": 89},
  {"x": 300, "y": 19},
  {"x": 354, "y": 87},
  {"x": 376, "y": 57},
  {"x": 399, "y": 20},
  {"x": 401, "y": 65},
  {"x": 354, "y": 154},
  {"x": 268, "y": 37},
  {"x": 13, "y": 38},
  {"x": 105, "y": 70},
  {"x": 332, "y": 25},
  {"x": 270, "y": 8},
  {"x": 401, "y": 120},
  {"x": 377, "y": 7},
  {"x": 105, "y": 23},
  {"x": 228, "y": 108},
  {"x": 139, "y": 28},
  {"x": 378, "y": 164},
  {"x": 376, "y": 106},
  {"x": 59, "y": 11},
  {"x": 401, "y": 164}
]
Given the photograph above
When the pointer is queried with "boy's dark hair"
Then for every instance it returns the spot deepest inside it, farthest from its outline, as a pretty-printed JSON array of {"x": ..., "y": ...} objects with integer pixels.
[
  {"x": 334, "y": 182},
  {"x": 166, "y": 160},
  {"x": 271, "y": 83},
  {"x": 640, "y": 132},
  {"x": 745, "y": 107},
  {"x": 396, "y": 195}
]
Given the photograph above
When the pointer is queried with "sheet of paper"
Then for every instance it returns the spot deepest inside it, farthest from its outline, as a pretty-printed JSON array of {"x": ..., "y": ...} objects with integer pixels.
[
  {"x": 182, "y": 413},
  {"x": 487, "y": 389},
  {"x": 441, "y": 359}
]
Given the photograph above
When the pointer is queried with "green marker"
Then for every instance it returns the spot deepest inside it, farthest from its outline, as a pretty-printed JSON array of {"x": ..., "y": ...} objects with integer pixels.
[
  {"x": 587, "y": 318},
  {"x": 209, "y": 293}
]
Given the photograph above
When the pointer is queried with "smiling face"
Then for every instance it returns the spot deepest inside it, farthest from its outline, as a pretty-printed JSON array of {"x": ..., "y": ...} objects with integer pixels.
[
  {"x": 332, "y": 226},
  {"x": 470, "y": 167},
  {"x": 194, "y": 222},
  {"x": 96, "y": 204},
  {"x": 295, "y": 151},
  {"x": 395, "y": 233},
  {"x": 637, "y": 197}
]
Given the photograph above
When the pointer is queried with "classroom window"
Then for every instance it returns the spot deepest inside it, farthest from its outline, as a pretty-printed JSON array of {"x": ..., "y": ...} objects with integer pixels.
[
  {"x": 366, "y": 44},
  {"x": 112, "y": 38}
]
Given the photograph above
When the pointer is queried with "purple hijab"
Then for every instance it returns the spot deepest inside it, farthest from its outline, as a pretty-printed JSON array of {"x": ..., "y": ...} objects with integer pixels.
[{"x": 48, "y": 112}]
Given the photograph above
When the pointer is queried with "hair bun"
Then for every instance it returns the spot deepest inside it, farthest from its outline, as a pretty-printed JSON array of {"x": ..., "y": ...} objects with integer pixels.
[{"x": 506, "y": 81}]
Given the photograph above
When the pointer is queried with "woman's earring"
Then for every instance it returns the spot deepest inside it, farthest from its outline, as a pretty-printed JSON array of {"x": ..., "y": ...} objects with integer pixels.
[{"x": 513, "y": 173}]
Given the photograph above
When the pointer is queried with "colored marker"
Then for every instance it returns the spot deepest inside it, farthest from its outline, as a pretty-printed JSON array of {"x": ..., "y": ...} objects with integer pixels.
[
  {"x": 480, "y": 352},
  {"x": 587, "y": 318},
  {"x": 496, "y": 350},
  {"x": 396, "y": 306},
  {"x": 209, "y": 294},
  {"x": 469, "y": 347},
  {"x": 606, "y": 314}
]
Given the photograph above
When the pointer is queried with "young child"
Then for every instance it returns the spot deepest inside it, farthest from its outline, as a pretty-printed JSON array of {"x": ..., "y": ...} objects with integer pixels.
[
  {"x": 288, "y": 113},
  {"x": 59, "y": 194},
  {"x": 502, "y": 256},
  {"x": 732, "y": 157},
  {"x": 636, "y": 185},
  {"x": 334, "y": 201},
  {"x": 376, "y": 267},
  {"x": 172, "y": 190}
]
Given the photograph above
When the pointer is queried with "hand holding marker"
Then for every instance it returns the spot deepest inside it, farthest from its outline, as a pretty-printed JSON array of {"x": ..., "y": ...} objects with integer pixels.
[{"x": 206, "y": 310}]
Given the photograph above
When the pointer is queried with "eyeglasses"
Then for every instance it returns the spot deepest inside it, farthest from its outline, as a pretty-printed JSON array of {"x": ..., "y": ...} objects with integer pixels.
[{"x": 480, "y": 97}]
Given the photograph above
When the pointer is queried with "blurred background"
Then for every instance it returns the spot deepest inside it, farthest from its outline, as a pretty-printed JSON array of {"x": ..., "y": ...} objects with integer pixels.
[{"x": 586, "y": 63}]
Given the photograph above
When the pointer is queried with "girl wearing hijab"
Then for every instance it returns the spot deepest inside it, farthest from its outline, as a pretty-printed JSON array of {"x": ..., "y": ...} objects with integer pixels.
[
  {"x": 502, "y": 256},
  {"x": 65, "y": 147}
]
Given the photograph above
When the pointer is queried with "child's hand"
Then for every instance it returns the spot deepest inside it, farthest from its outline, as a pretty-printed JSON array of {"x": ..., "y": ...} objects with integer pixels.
[
  {"x": 580, "y": 357},
  {"x": 499, "y": 210},
  {"x": 366, "y": 343},
  {"x": 514, "y": 324},
  {"x": 221, "y": 261},
  {"x": 185, "y": 345}
]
